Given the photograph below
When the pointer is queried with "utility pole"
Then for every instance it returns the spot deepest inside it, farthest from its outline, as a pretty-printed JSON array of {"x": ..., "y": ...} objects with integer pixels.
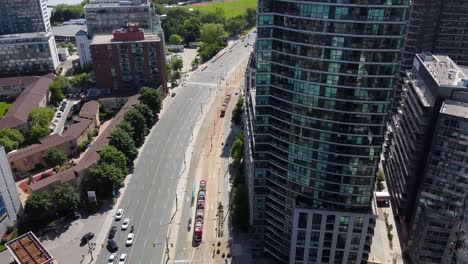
[{"x": 90, "y": 251}]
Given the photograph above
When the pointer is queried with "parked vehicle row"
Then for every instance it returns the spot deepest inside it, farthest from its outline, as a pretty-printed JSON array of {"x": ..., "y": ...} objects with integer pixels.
[{"x": 112, "y": 245}]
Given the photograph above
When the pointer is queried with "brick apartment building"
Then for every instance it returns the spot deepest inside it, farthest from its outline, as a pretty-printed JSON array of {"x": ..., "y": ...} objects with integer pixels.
[{"x": 127, "y": 60}]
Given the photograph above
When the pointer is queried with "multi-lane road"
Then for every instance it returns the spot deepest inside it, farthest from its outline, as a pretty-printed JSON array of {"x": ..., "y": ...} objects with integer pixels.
[{"x": 150, "y": 196}]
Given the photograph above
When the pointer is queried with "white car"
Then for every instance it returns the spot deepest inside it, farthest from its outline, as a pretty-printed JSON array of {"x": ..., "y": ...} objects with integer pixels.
[
  {"x": 111, "y": 258},
  {"x": 122, "y": 258},
  {"x": 59, "y": 114},
  {"x": 125, "y": 223},
  {"x": 130, "y": 239},
  {"x": 119, "y": 214}
]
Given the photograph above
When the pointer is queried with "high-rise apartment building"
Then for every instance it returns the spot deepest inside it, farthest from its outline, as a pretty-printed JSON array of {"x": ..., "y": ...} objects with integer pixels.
[
  {"x": 103, "y": 16},
  {"x": 325, "y": 74},
  {"x": 127, "y": 60},
  {"x": 27, "y": 45},
  {"x": 426, "y": 160},
  {"x": 24, "y": 16},
  {"x": 10, "y": 205}
]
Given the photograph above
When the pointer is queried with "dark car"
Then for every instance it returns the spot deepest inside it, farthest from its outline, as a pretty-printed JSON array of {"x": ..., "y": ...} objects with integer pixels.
[
  {"x": 112, "y": 246},
  {"x": 87, "y": 238},
  {"x": 74, "y": 216},
  {"x": 112, "y": 232}
]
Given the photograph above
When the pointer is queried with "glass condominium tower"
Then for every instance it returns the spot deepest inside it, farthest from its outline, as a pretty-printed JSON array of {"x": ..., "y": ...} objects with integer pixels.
[{"x": 326, "y": 71}]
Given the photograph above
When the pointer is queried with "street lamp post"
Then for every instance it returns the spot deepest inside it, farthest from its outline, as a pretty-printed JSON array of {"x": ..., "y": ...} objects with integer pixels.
[{"x": 90, "y": 251}]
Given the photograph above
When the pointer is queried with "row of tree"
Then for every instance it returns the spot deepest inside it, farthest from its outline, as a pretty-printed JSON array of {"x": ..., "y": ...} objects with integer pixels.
[
  {"x": 64, "y": 12},
  {"x": 212, "y": 29},
  {"x": 115, "y": 158},
  {"x": 239, "y": 195},
  {"x": 10, "y": 139}
]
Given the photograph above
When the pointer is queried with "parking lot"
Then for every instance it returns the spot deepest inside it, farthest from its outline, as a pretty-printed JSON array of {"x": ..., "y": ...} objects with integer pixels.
[{"x": 60, "y": 117}]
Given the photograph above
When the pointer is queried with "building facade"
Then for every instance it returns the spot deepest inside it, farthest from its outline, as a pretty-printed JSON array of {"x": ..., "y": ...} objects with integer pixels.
[
  {"x": 82, "y": 44},
  {"x": 426, "y": 160},
  {"x": 325, "y": 73},
  {"x": 103, "y": 16},
  {"x": 24, "y": 16},
  {"x": 10, "y": 205},
  {"x": 28, "y": 53},
  {"x": 128, "y": 60}
]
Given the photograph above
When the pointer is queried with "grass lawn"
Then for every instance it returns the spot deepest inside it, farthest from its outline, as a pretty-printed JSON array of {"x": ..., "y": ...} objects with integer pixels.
[
  {"x": 13, "y": 235},
  {"x": 231, "y": 8},
  {"x": 3, "y": 108}
]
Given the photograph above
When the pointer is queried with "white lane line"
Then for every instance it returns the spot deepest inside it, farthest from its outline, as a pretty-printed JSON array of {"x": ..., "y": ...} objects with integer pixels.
[{"x": 144, "y": 244}]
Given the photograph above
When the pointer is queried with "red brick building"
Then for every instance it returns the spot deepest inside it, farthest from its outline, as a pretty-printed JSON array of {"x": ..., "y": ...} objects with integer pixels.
[{"x": 128, "y": 60}]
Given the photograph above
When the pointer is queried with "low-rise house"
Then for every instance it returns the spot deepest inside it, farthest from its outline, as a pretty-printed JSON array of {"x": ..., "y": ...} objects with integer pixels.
[
  {"x": 29, "y": 158},
  {"x": 90, "y": 110},
  {"x": 90, "y": 159},
  {"x": 35, "y": 95}
]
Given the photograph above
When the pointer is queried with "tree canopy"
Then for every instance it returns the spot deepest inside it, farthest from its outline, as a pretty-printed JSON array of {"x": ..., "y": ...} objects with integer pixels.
[
  {"x": 147, "y": 113},
  {"x": 81, "y": 80},
  {"x": 110, "y": 155},
  {"x": 55, "y": 157},
  {"x": 175, "y": 39},
  {"x": 212, "y": 33},
  {"x": 10, "y": 139},
  {"x": 105, "y": 178},
  {"x": 177, "y": 64},
  {"x": 138, "y": 122},
  {"x": 66, "y": 199},
  {"x": 37, "y": 132},
  {"x": 38, "y": 205},
  {"x": 237, "y": 149},
  {"x": 58, "y": 88},
  {"x": 64, "y": 12},
  {"x": 122, "y": 141},
  {"x": 152, "y": 98},
  {"x": 42, "y": 116}
]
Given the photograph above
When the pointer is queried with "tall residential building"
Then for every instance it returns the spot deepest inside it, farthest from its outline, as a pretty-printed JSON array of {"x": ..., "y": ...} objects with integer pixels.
[
  {"x": 24, "y": 16},
  {"x": 10, "y": 205},
  {"x": 127, "y": 60},
  {"x": 426, "y": 160},
  {"x": 28, "y": 53},
  {"x": 82, "y": 44},
  {"x": 436, "y": 26},
  {"x": 103, "y": 16},
  {"x": 325, "y": 77}
]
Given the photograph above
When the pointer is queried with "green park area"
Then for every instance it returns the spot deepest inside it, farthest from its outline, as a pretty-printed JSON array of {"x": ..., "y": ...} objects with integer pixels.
[
  {"x": 3, "y": 108},
  {"x": 231, "y": 8}
]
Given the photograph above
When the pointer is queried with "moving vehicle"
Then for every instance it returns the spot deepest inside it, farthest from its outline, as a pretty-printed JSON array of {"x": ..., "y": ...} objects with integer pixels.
[
  {"x": 125, "y": 223},
  {"x": 112, "y": 232},
  {"x": 111, "y": 258},
  {"x": 122, "y": 258},
  {"x": 225, "y": 105},
  {"x": 112, "y": 246},
  {"x": 198, "y": 230},
  {"x": 130, "y": 239},
  {"x": 119, "y": 214}
]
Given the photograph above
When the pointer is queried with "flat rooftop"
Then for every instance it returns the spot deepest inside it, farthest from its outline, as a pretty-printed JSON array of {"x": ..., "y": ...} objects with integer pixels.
[
  {"x": 116, "y": 3},
  {"x": 454, "y": 108},
  {"x": 68, "y": 30},
  {"x": 27, "y": 249},
  {"x": 25, "y": 36},
  {"x": 107, "y": 39},
  {"x": 444, "y": 70}
]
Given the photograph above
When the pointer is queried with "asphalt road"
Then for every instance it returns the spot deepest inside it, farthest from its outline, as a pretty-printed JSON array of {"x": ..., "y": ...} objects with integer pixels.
[{"x": 150, "y": 195}]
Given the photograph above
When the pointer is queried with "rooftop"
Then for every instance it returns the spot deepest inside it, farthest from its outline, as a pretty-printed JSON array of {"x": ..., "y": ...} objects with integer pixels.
[
  {"x": 444, "y": 70},
  {"x": 27, "y": 249},
  {"x": 67, "y": 30},
  {"x": 107, "y": 39},
  {"x": 25, "y": 36},
  {"x": 116, "y": 3},
  {"x": 455, "y": 108},
  {"x": 27, "y": 101}
]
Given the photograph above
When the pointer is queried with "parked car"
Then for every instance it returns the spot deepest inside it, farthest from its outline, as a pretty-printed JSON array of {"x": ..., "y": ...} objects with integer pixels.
[
  {"x": 119, "y": 214},
  {"x": 86, "y": 238},
  {"x": 125, "y": 223},
  {"x": 74, "y": 216},
  {"x": 112, "y": 232},
  {"x": 59, "y": 114}
]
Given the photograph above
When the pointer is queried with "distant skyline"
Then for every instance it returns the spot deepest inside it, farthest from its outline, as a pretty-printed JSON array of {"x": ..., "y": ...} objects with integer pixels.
[{"x": 68, "y": 2}]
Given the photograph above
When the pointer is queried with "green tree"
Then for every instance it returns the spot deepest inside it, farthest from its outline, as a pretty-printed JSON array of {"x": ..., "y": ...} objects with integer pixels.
[
  {"x": 152, "y": 98},
  {"x": 122, "y": 141},
  {"x": 159, "y": 9},
  {"x": 55, "y": 157},
  {"x": 177, "y": 64},
  {"x": 237, "y": 112},
  {"x": 138, "y": 122},
  {"x": 8, "y": 144},
  {"x": 195, "y": 63},
  {"x": 250, "y": 17},
  {"x": 212, "y": 33},
  {"x": 175, "y": 39},
  {"x": 127, "y": 127},
  {"x": 147, "y": 113},
  {"x": 12, "y": 134},
  {"x": 105, "y": 178},
  {"x": 81, "y": 80},
  {"x": 58, "y": 88},
  {"x": 240, "y": 207},
  {"x": 66, "y": 199},
  {"x": 63, "y": 12},
  {"x": 191, "y": 29},
  {"x": 213, "y": 17},
  {"x": 110, "y": 155},
  {"x": 237, "y": 149},
  {"x": 208, "y": 51},
  {"x": 235, "y": 25},
  {"x": 42, "y": 116},
  {"x": 37, "y": 132},
  {"x": 38, "y": 205}
]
